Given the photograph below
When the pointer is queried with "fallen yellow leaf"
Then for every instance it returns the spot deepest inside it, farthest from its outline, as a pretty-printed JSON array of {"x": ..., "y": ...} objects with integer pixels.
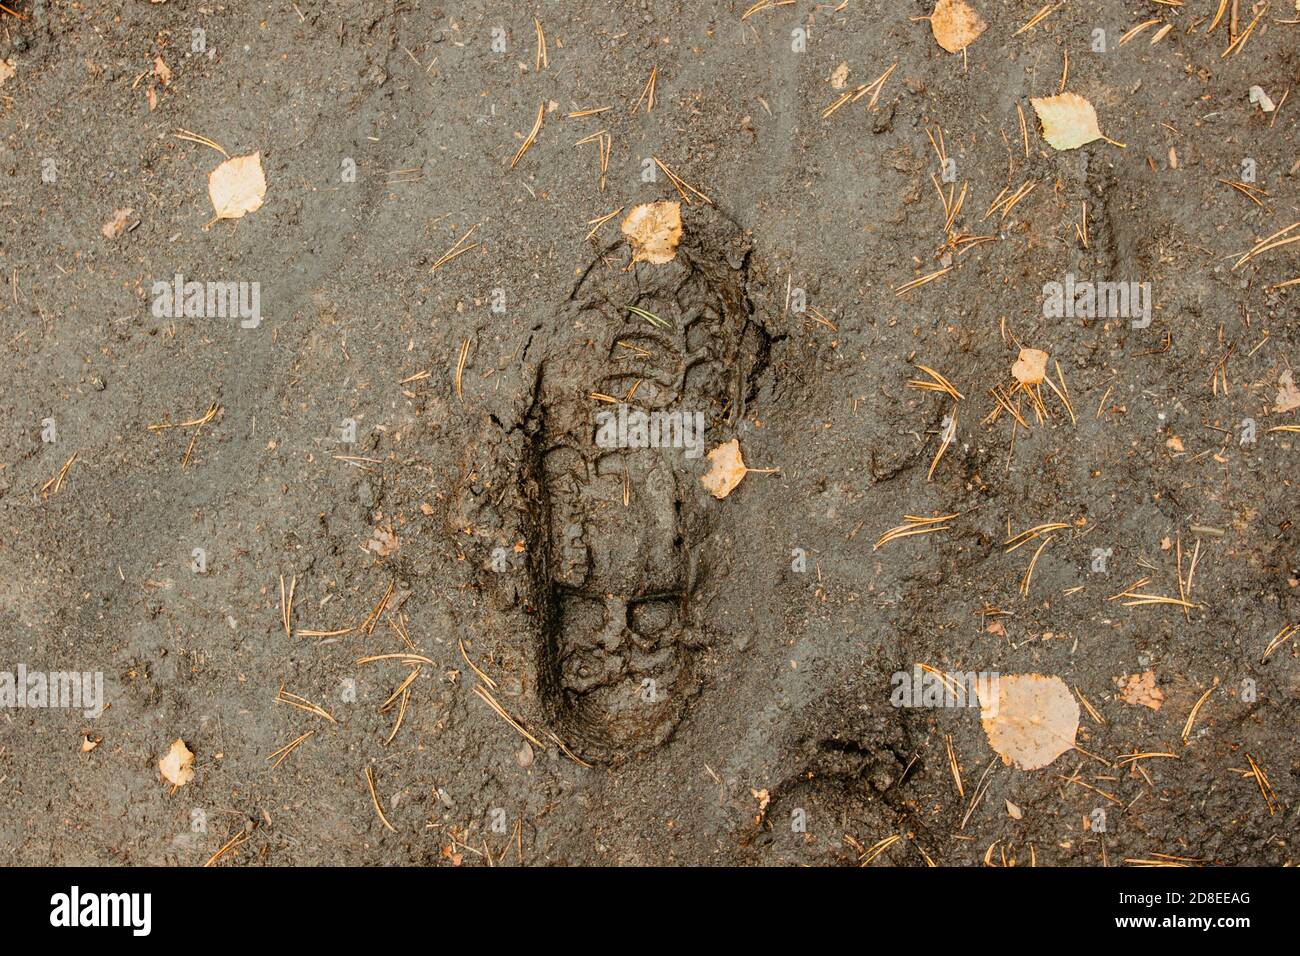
[
  {"x": 654, "y": 229},
  {"x": 955, "y": 25},
  {"x": 726, "y": 469},
  {"x": 1030, "y": 367},
  {"x": 383, "y": 542},
  {"x": 237, "y": 186},
  {"x": 1029, "y": 719},
  {"x": 1288, "y": 396},
  {"x": 177, "y": 766},
  {"x": 1140, "y": 690},
  {"x": 117, "y": 225},
  {"x": 1069, "y": 121}
]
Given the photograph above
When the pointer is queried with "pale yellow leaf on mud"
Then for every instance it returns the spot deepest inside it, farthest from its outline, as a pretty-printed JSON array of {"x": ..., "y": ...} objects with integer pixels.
[
  {"x": 117, "y": 225},
  {"x": 726, "y": 469},
  {"x": 383, "y": 542},
  {"x": 1030, "y": 719},
  {"x": 1030, "y": 367},
  {"x": 237, "y": 186},
  {"x": 1013, "y": 811},
  {"x": 7, "y": 71},
  {"x": 177, "y": 767},
  {"x": 1069, "y": 121},
  {"x": 1262, "y": 99},
  {"x": 955, "y": 25},
  {"x": 87, "y": 745},
  {"x": 1140, "y": 690},
  {"x": 1288, "y": 396},
  {"x": 654, "y": 229},
  {"x": 840, "y": 77}
]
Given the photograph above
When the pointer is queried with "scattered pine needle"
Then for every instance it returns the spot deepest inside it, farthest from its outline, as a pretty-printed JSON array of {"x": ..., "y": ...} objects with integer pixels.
[
  {"x": 456, "y": 250},
  {"x": 1087, "y": 705},
  {"x": 1265, "y": 788},
  {"x": 195, "y": 423},
  {"x": 189, "y": 137},
  {"x": 491, "y": 701},
  {"x": 940, "y": 383},
  {"x": 907, "y": 287},
  {"x": 1135, "y": 598},
  {"x": 1191, "y": 718},
  {"x": 914, "y": 525},
  {"x": 655, "y": 320},
  {"x": 1037, "y": 17},
  {"x": 404, "y": 658},
  {"x": 1134, "y": 757},
  {"x": 647, "y": 92},
  {"x": 401, "y": 689},
  {"x": 564, "y": 749},
  {"x": 1136, "y": 30},
  {"x": 55, "y": 484},
  {"x": 302, "y": 703},
  {"x": 600, "y": 221},
  {"x": 1024, "y": 537},
  {"x": 374, "y": 798},
  {"x": 878, "y": 848},
  {"x": 1239, "y": 44},
  {"x": 1279, "y": 639},
  {"x": 280, "y": 755},
  {"x": 532, "y": 136},
  {"x": 474, "y": 667},
  {"x": 368, "y": 625},
  {"x": 954, "y": 766},
  {"x": 401, "y": 713},
  {"x": 947, "y": 437},
  {"x": 542, "y": 62},
  {"x": 1264, "y": 245},
  {"x": 286, "y": 605},
  {"x": 681, "y": 185},
  {"x": 460, "y": 365},
  {"x": 238, "y": 840},
  {"x": 1253, "y": 193},
  {"x": 1033, "y": 562}
]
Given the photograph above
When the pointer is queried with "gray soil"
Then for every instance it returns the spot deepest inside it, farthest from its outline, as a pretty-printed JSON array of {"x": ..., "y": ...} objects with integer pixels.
[{"x": 694, "y": 694}]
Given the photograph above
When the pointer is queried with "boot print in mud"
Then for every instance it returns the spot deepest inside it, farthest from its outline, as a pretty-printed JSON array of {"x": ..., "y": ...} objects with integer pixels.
[{"x": 615, "y": 521}]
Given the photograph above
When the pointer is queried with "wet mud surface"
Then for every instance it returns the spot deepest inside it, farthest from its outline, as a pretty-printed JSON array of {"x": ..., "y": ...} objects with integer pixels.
[{"x": 612, "y": 666}]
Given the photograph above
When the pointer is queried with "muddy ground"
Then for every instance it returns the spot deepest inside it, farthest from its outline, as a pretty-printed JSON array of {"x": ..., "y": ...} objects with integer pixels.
[{"x": 771, "y": 738}]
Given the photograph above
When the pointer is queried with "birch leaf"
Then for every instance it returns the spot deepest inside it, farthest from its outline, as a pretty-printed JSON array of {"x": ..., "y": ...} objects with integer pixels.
[
  {"x": 955, "y": 25},
  {"x": 237, "y": 186},
  {"x": 1140, "y": 690},
  {"x": 1288, "y": 396},
  {"x": 117, "y": 225},
  {"x": 654, "y": 229},
  {"x": 1030, "y": 367},
  {"x": 1069, "y": 121},
  {"x": 177, "y": 766},
  {"x": 1029, "y": 719},
  {"x": 726, "y": 469}
]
